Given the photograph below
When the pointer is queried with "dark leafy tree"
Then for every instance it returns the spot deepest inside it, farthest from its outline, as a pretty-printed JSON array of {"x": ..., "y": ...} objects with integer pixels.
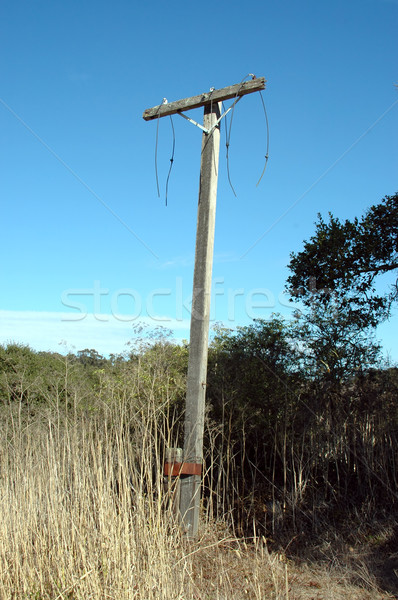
[
  {"x": 91, "y": 358},
  {"x": 343, "y": 261},
  {"x": 251, "y": 398},
  {"x": 32, "y": 377},
  {"x": 254, "y": 365},
  {"x": 332, "y": 348},
  {"x": 296, "y": 420}
]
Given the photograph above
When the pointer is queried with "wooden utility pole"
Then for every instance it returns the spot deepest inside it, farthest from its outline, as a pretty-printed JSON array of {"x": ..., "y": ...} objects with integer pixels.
[
  {"x": 200, "y": 317},
  {"x": 190, "y": 470}
]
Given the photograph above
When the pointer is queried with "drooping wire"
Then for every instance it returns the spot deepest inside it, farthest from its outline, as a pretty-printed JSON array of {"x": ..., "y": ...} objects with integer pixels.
[
  {"x": 156, "y": 150},
  {"x": 228, "y": 135},
  {"x": 219, "y": 125},
  {"x": 228, "y": 131},
  {"x": 227, "y": 149},
  {"x": 172, "y": 157},
  {"x": 267, "y": 150},
  {"x": 225, "y": 119}
]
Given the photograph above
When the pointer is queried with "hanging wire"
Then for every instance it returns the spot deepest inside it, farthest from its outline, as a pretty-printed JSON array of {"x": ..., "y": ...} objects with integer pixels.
[
  {"x": 156, "y": 149},
  {"x": 225, "y": 118},
  {"x": 208, "y": 137},
  {"x": 219, "y": 125},
  {"x": 228, "y": 132},
  {"x": 226, "y": 125},
  {"x": 267, "y": 150},
  {"x": 227, "y": 156},
  {"x": 172, "y": 157}
]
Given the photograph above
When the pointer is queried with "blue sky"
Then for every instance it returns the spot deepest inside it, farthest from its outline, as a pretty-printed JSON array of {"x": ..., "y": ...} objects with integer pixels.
[{"x": 88, "y": 249}]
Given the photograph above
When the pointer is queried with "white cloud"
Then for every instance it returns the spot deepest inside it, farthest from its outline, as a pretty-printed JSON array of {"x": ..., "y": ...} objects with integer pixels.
[
  {"x": 177, "y": 262},
  {"x": 62, "y": 332}
]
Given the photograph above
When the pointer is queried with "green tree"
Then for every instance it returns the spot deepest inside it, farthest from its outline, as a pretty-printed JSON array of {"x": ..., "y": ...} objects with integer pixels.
[
  {"x": 332, "y": 348},
  {"x": 251, "y": 366},
  {"x": 251, "y": 399},
  {"x": 89, "y": 357},
  {"x": 343, "y": 261}
]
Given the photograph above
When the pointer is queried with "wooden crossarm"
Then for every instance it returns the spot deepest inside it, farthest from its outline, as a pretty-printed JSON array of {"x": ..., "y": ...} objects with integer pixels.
[{"x": 232, "y": 91}]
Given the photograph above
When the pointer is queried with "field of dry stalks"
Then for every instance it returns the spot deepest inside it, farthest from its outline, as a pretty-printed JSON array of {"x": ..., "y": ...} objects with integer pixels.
[{"x": 84, "y": 516}]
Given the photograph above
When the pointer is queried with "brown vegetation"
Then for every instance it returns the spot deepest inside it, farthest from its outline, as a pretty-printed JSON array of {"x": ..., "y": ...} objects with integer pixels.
[{"x": 84, "y": 511}]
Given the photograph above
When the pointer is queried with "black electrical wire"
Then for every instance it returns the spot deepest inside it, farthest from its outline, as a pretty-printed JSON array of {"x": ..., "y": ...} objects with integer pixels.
[
  {"x": 228, "y": 133},
  {"x": 172, "y": 157},
  {"x": 267, "y": 150},
  {"x": 156, "y": 151}
]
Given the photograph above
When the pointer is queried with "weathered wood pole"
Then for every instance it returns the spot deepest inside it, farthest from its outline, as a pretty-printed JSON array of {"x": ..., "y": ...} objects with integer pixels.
[
  {"x": 200, "y": 316},
  {"x": 190, "y": 470}
]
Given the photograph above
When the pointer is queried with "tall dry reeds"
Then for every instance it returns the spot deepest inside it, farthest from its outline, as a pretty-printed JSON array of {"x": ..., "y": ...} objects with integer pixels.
[
  {"x": 81, "y": 511},
  {"x": 85, "y": 513}
]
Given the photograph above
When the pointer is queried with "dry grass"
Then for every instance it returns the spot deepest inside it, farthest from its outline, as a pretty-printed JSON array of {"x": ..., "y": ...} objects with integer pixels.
[{"x": 83, "y": 515}]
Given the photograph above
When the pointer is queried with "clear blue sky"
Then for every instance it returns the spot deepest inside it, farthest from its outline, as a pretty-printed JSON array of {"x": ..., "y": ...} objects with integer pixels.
[{"x": 88, "y": 249}]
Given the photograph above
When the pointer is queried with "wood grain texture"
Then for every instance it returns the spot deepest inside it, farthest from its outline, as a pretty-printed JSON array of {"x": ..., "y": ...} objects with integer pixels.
[
  {"x": 200, "y": 318},
  {"x": 232, "y": 91}
]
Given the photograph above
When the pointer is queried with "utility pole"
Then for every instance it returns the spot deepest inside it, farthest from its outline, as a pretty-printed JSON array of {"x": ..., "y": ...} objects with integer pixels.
[{"x": 190, "y": 470}]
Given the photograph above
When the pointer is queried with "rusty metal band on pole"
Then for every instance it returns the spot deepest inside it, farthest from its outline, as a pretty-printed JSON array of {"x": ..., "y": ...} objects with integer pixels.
[{"x": 175, "y": 469}]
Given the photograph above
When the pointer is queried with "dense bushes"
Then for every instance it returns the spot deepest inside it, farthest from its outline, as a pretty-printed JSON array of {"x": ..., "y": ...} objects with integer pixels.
[{"x": 298, "y": 441}]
